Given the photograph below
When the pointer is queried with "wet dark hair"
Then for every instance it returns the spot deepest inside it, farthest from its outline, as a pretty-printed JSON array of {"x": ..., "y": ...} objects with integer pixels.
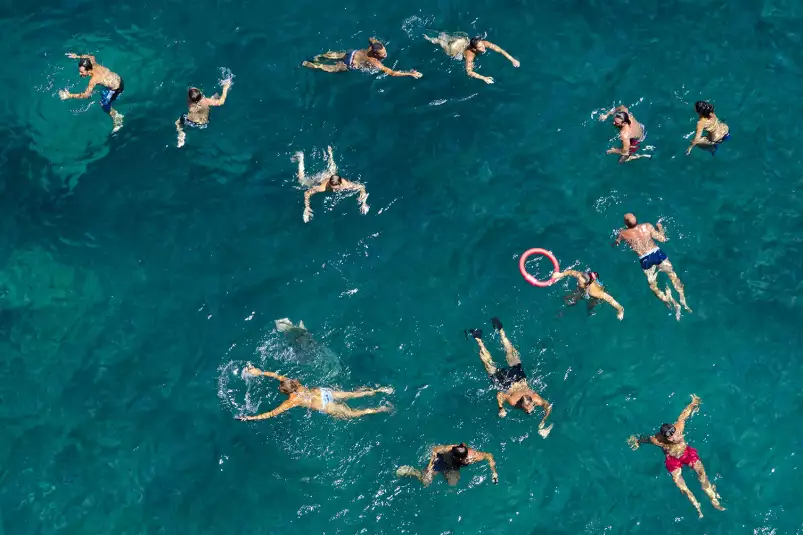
[
  {"x": 667, "y": 430},
  {"x": 475, "y": 42},
  {"x": 460, "y": 452},
  {"x": 592, "y": 276},
  {"x": 623, "y": 115},
  {"x": 336, "y": 178},
  {"x": 524, "y": 399},
  {"x": 194, "y": 95},
  {"x": 376, "y": 46},
  {"x": 85, "y": 63},
  {"x": 704, "y": 108}
]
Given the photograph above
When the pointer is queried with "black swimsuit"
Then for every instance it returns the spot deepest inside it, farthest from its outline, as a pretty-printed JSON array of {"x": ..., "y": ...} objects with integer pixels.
[{"x": 507, "y": 377}]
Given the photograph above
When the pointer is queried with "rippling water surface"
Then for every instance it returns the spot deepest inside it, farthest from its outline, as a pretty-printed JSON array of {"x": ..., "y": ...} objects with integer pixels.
[{"x": 137, "y": 279}]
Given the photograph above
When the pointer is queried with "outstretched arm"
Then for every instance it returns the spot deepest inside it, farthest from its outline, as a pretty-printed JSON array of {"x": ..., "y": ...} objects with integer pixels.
[
  {"x": 348, "y": 185},
  {"x": 482, "y": 456},
  {"x": 624, "y": 152},
  {"x": 390, "y": 72},
  {"x": 698, "y": 136},
  {"x": 610, "y": 112},
  {"x": 499, "y": 49},
  {"x": 90, "y": 57},
  {"x": 284, "y": 407},
  {"x": 470, "y": 70},
  {"x": 332, "y": 166},
  {"x": 257, "y": 372},
  {"x": 680, "y": 425},
  {"x": 64, "y": 94},
  {"x": 635, "y": 441},
  {"x": 618, "y": 239},
  {"x": 219, "y": 101},
  {"x": 657, "y": 232},
  {"x": 307, "y": 194},
  {"x": 569, "y": 273}
]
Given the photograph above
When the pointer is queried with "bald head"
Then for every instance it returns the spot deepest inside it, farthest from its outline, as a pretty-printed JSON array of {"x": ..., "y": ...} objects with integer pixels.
[{"x": 630, "y": 220}]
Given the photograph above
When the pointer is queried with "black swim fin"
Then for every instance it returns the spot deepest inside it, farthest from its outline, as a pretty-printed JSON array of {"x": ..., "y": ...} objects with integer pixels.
[
  {"x": 496, "y": 323},
  {"x": 476, "y": 333}
]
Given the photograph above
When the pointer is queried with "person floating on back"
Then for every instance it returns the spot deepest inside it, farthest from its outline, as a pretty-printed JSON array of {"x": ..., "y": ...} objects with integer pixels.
[
  {"x": 631, "y": 132},
  {"x": 111, "y": 82},
  {"x": 448, "y": 460},
  {"x": 318, "y": 399},
  {"x": 324, "y": 181},
  {"x": 588, "y": 287},
  {"x": 640, "y": 239},
  {"x": 670, "y": 439},
  {"x": 511, "y": 381},
  {"x": 460, "y": 46},
  {"x": 715, "y": 130},
  {"x": 198, "y": 106},
  {"x": 368, "y": 59}
]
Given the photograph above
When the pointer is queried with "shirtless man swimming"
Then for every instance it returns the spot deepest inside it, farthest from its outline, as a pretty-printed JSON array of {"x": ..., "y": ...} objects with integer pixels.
[
  {"x": 317, "y": 399},
  {"x": 198, "y": 106},
  {"x": 588, "y": 286},
  {"x": 459, "y": 46},
  {"x": 368, "y": 59},
  {"x": 98, "y": 75},
  {"x": 511, "y": 381},
  {"x": 640, "y": 239},
  {"x": 631, "y": 132},
  {"x": 448, "y": 460},
  {"x": 670, "y": 439},
  {"x": 327, "y": 180}
]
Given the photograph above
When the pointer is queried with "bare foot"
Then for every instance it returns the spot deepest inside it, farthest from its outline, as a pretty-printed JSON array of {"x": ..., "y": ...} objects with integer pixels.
[
  {"x": 182, "y": 137},
  {"x": 118, "y": 122},
  {"x": 307, "y": 64},
  {"x": 717, "y": 506},
  {"x": 406, "y": 471}
]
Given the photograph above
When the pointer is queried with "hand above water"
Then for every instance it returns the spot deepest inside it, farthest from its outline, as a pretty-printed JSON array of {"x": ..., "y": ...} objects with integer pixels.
[
  {"x": 307, "y": 214},
  {"x": 415, "y": 74},
  {"x": 516, "y": 63},
  {"x": 385, "y": 390},
  {"x": 488, "y": 80}
]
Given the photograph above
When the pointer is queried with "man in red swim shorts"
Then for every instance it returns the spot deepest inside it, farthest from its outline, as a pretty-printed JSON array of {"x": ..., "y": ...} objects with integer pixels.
[{"x": 678, "y": 453}]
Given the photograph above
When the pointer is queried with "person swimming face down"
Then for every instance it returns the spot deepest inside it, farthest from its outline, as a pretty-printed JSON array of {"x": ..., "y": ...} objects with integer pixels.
[
  {"x": 85, "y": 67},
  {"x": 703, "y": 108},
  {"x": 630, "y": 221},
  {"x": 194, "y": 96},
  {"x": 591, "y": 276},
  {"x": 477, "y": 45},
  {"x": 526, "y": 404},
  {"x": 460, "y": 454},
  {"x": 621, "y": 118},
  {"x": 335, "y": 180}
]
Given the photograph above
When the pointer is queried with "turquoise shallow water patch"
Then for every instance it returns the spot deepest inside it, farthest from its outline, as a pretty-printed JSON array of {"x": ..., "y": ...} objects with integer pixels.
[{"x": 138, "y": 279}]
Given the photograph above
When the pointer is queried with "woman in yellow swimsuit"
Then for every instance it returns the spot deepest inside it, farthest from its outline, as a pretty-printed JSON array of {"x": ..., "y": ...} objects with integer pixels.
[{"x": 710, "y": 130}]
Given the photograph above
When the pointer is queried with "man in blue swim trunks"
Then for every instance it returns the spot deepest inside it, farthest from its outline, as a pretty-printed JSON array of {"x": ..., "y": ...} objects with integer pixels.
[
  {"x": 511, "y": 382},
  {"x": 98, "y": 75},
  {"x": 198, "y": 105},
  {"x": 640, "y": 238},
  {"x": 448, "y": 460},
  {"x": 369, "y": 59}
]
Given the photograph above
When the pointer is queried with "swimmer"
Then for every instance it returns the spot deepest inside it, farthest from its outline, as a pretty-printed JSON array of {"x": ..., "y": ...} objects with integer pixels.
[
  {"x": 715, "y": 130},
  {"x": 670, "y": 439},
  {"x": 198, "y": 106},
  {"x": 640, "y": 239},
  {"x": 588, "y": 286},
  {"x": 631, "y": 132},
  {"x": 298, "y": 335},
  {"x": 511, "y": 381},
  {"x": 325, "y": 181},
  {"x": 318, "y": 399},
  {"x": 448, "y": 460},
  {"x": 459, "y": 46},
  {"x": 98, "y": 75},
  {"x": 368, "y": 59}
]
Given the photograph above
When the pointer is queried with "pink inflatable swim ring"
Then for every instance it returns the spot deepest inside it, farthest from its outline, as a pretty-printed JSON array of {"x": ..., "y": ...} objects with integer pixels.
[{"x": 529, "y": 278}]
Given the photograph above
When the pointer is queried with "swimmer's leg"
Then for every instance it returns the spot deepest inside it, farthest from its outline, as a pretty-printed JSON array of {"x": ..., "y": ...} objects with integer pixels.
[
  {"x": 117, "y": 119},
  {"x": 182, "y": 136},
  {"x": 572, "y": 299},
  {"x": 708, "y": 488},
  {"x": 338, "y": 410},
  {"x": 337, "y": 67},
  {"x": 409, "y": 471},
  {"x": 452, "y": 477},
  {"x": 665, "y": 297},
  {"x": 485, "y": 355},
  {"x": 361, "y": 393},
  {"x": 329, "y": 55},
  {"x": 442, "y": 40},
  {"x": 666, "y": 267},
  {"x": 677, "y": 477},
  {"x": 511, "y": 353},
  {"x": 636, "y": 157}
]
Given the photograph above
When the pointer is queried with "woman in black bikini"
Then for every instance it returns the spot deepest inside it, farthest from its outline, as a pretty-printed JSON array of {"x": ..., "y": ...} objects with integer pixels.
[{"x": 369, "y": 59}]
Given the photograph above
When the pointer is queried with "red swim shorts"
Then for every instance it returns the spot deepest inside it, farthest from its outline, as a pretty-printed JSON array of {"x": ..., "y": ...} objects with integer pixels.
[
  {"x": 688, "y": 458},
  {"x": 634, "y": 145}
]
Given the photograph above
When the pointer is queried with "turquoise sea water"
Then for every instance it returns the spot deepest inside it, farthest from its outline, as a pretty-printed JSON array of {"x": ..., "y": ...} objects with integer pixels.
[{"x": 137, "y": 279}]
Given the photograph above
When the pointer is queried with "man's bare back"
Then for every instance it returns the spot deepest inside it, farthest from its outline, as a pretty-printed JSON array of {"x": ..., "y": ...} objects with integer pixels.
[{"x": 642, "y": 237}]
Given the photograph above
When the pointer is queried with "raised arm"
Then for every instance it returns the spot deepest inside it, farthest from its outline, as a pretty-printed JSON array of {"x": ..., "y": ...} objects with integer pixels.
[
  {"x": 657, "y": 232},
  {"x": 499, "y": 50},
  {"x": 610, "y": 112},
  {"x": 569, "y": 273},
  {"x": 482, "y": 456},
  {"x": 470, "y": 70},
  {"x": 284, "y": 407},
  {"x": 688, "y": 411},
  {"x": 219, "y": 101},
  {"x": 81, "y": 56},
  {"x": 375, "y": 63},
  {"x": 257, "y": 372}
]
